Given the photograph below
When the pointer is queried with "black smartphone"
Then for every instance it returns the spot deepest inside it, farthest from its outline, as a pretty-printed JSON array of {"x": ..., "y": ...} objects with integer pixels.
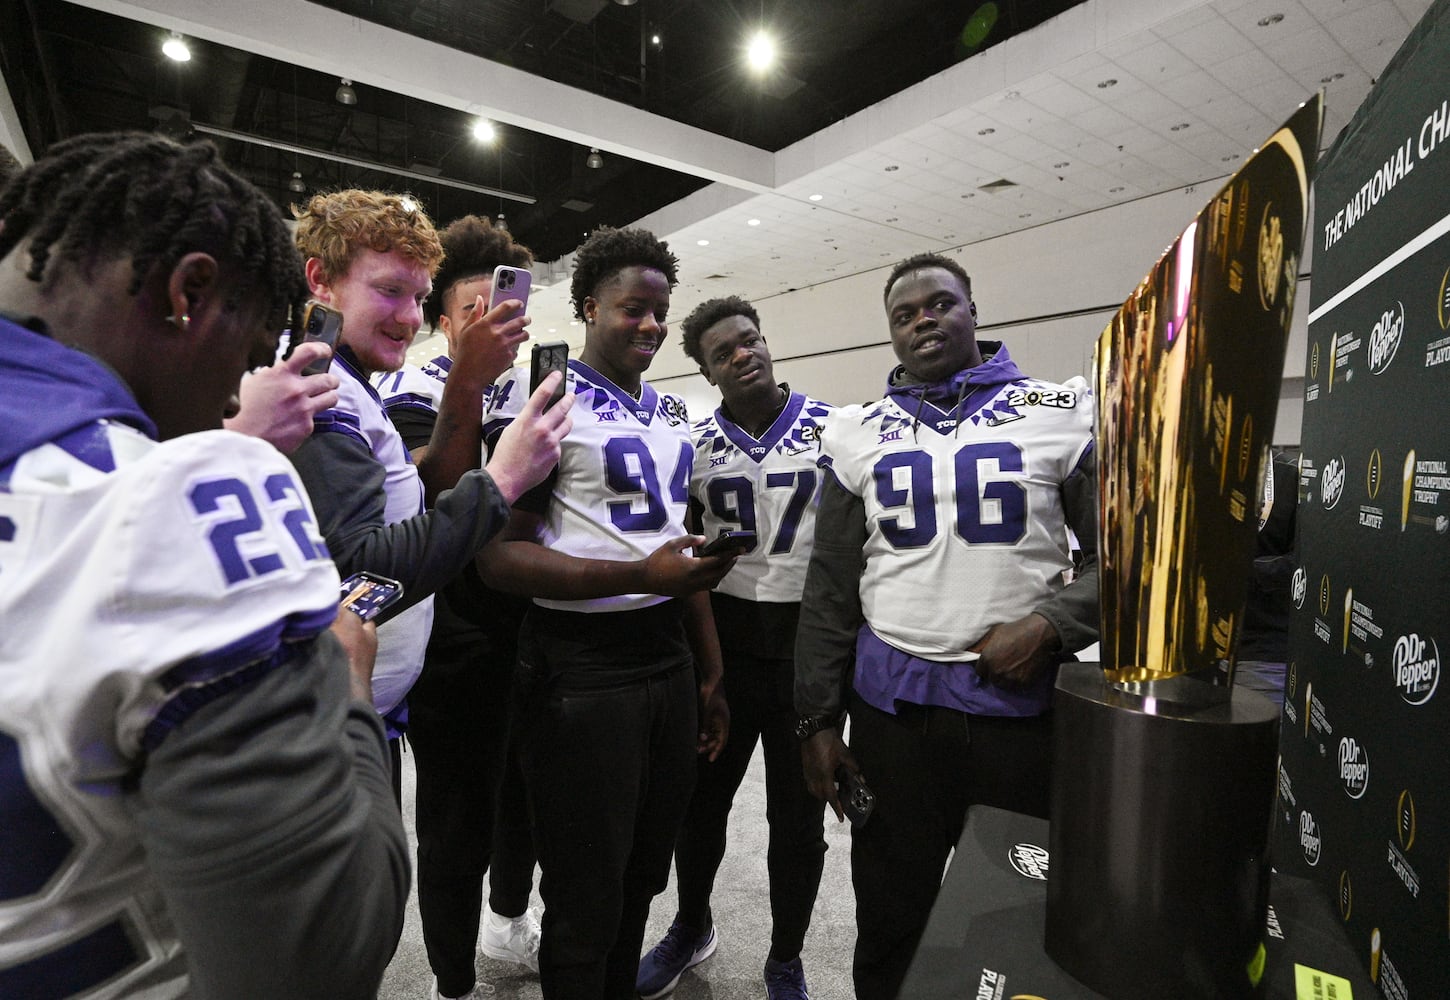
[
  {"x": 367, "y": 594},
  {"x": 729, "y": 541},
  {"x": 319, "y": 323},
  {"x": 550, "y": 357},
  {"x": 857, "y": 801},
  {"x": 510, "y": 283}
]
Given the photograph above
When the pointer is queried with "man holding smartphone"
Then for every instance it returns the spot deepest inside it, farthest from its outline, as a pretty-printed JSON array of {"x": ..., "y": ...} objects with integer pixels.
[
  {"x": 934, "y": 607},
  {"x": 193, "y": 783},
  {"x": 754, "y": 476},
  {"x": 417, "y": 524},
  {"x": 470, "y": 809}
]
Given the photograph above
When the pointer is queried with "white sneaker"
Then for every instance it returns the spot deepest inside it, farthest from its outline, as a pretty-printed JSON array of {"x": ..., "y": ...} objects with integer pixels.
[
  {"x": 511, "y": 939},
  {"x": 479, "y": 991}
]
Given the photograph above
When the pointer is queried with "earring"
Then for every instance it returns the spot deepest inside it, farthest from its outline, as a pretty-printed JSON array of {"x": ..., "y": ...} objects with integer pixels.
[{"x": 181, "y": 322}]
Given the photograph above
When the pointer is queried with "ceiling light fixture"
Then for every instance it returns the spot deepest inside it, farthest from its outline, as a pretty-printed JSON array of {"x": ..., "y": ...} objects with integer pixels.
[
  {"x": 760, "y": 53},
  {"x": 626, "y": 3},
  {"x": 1059, "y": 166},
  {"x": 752, "y": 222},
  {"x": 1264, "y": 22},
  {"x": 1105, "y": 84},
  {"x": 174, "y": 48},
  {"x": 296, "y": 185},
  {"x": 985, "y": 131},
  {"x": 816, "y": 197},
  {"x": 1179, "y": 127},
  {"x": 500, "y": 223},
  {"x": 593, "y": 161},
  {"x": 891, "y": 168},
  {"x": 1331, "y": 78},
  {"x": 702, "y": 243},
  {"x": 344, "y": 93},
  {"x": 484, "y": 131},
  {"x": 1114, "y": 190},
  {"x": 656, "y": 40}
]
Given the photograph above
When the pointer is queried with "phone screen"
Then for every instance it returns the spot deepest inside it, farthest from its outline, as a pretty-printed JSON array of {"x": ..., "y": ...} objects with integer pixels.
[{"x": 368, "y": 594}]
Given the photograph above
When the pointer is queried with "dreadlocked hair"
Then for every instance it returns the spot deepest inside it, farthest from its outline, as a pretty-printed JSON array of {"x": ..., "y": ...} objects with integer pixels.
[
  {"x": 472, "y": 248},
  {"x": 333, "y": 227},
  {"x": 608, "y": 251},
  {"x": 706, "y": 315},
  {"x": 143, "y": 195},
  {"x": 922, "y": 261}
]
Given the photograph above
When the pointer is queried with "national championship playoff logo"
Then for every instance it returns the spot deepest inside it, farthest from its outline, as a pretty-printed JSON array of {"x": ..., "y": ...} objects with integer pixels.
[
  {"x": 1309, "y": 838},
  {"x": 1346, "y": 895},
  {"x": 1416, "y": 665},
  {"x": 1374, "y": 474},
  {"x": 1353, "y": 768},
  {"x": 1384, "y": 339},
  {"x": 1029, "y": 861}
]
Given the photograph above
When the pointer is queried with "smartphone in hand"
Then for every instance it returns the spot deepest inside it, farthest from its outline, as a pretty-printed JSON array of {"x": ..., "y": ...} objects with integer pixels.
[
  {"x": 319, "y": 323},
  {"x": 368, "y": 594},
  {"x": 727, "y": 542},
  {"x": 857, "y": 801},
  {"x": 550, "y": 357},
  {"x": 510, "y": 283}
]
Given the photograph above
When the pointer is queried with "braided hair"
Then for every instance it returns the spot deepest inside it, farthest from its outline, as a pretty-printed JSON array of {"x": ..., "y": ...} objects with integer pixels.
[
  {"x": 142, "y": 195},
  {"x": 472, "y": 248},
  {"x": 608, "y": 251},
  {"x": 706, "y": 315}
]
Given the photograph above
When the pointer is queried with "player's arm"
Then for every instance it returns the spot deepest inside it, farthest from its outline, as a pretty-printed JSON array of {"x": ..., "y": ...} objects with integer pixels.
[
  {"x": 283, "y": 860},
  {"x": 484, "y": 350},
  {"x": 424, "y": 552},
  {"x": 1015, "y": 654},
  {"x": 516, "y": 562},
  {"x": 709, "y": 670},
  {"x": 830, "y": 619}
]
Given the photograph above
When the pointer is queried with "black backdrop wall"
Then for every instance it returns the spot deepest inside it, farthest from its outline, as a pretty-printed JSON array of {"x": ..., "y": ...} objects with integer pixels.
[{"x": 1364, "y": 791}]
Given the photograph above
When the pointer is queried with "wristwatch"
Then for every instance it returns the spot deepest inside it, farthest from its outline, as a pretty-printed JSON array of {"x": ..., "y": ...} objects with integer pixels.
[{"x": 808, "y": 725}]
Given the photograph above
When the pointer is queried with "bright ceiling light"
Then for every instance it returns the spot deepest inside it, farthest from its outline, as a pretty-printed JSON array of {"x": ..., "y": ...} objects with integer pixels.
[
  {"x": 752, "y": 222},
  {"x": 483, "y": 130},
  {"x": 702, "y": 243},
  {"x": 760, "y": 54},
  {"x": 815, "y": 197},
  {"x": 175, "y": 48},
  {"x": 593, "y": 161}
]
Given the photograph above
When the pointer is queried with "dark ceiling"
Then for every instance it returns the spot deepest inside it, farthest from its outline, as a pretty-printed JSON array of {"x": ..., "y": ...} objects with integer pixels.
[{"x": 72, "y": 69}]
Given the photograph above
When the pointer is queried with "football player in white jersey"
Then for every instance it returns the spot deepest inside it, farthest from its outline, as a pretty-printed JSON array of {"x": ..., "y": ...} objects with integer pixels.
[
  {"x": 755, "y": 470},
  {"x": 377, "y": 510},
  {"x": 934, "y": 606},
  {"x": 469, "y": 810},
  {"x": 613, "y": 669},
  {"x": 193, "y": 785}
]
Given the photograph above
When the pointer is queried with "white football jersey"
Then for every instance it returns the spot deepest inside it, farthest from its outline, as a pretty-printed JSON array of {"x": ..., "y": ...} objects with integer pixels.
[
  {"x": 965, "y": 525},
  {"x": 137, "y": 582},
  {"x": 623, "y": 483},
  {"x": 768, "y": 485},
  {"x": 403, "y": 639},
  {"x": 414, "y": 386}
]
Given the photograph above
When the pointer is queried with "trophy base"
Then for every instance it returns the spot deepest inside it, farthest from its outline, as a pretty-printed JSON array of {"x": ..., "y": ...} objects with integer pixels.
[{"x": 1160, "y": 826}]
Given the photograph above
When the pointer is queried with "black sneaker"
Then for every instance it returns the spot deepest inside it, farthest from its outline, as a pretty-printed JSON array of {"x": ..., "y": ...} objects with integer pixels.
[{"x": 681, "y": 948}]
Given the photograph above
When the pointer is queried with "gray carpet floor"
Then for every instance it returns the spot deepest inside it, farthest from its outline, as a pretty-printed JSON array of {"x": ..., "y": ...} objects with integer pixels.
[{"x": 742, "y": 916}]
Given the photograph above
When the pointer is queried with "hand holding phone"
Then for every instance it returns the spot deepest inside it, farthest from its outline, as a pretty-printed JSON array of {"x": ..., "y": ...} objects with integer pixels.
[
  {"x": 510, "y": 283},
  {"x": 550, "y": 357},
  {"x": 728, "y": 543},
  {"x": 321, "y": 324},
  {"x": 368, "y": 594},
  {"x": 857, "y": 801}
]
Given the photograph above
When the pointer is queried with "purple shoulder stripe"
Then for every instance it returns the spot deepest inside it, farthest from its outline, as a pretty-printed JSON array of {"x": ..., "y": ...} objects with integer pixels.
[{"x": 197, "y": 682}]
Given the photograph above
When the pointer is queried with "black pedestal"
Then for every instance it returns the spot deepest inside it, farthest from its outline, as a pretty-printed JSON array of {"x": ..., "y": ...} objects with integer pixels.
[{"x": 1160, "y": 828}]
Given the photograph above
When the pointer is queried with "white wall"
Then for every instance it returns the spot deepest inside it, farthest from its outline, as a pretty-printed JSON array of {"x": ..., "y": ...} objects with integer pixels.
[{"x": 830, "y": 340}]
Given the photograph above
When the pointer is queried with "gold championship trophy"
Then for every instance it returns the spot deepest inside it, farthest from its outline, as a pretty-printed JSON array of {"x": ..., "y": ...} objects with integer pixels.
[{"x": 1163, "y": 782}]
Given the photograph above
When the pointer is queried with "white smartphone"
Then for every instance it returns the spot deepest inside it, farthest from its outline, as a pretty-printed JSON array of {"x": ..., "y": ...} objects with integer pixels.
[{"x": 510, "y": 283}]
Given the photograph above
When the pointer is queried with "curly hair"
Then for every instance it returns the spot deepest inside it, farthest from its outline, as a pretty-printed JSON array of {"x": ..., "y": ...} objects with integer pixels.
[
  {"x": 706, "y": 315},
  {"x": 334, "y": 226},
  {"x": 142, "y": 195},
  {"x": 608, "y": 251},
  {"x": 472, "y": 248},
  {"x": 925, "y": 260}
]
